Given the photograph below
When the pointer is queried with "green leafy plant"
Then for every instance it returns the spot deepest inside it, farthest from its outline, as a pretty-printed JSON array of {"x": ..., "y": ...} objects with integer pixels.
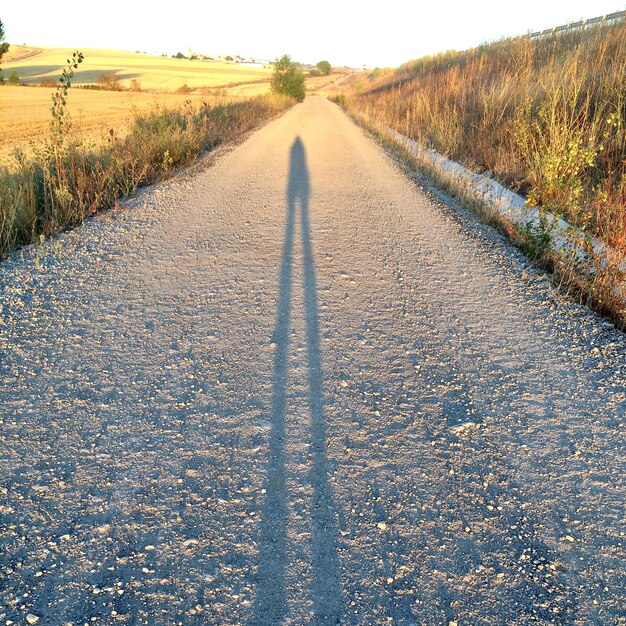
[
  {"x": 60, "y": 124},
  {"x": 288, "y": 79}
]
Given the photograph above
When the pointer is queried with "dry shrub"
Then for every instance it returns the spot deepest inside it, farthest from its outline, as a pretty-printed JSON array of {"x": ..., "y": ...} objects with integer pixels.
[{"x": 110, "y": 81}]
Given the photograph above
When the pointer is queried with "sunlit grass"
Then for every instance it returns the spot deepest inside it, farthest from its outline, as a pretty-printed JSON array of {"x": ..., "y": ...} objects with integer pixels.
[
  {"x": 546, "y": 116},
  {"x": 152, "y": 72},
  {"x": 56, "y": 188}
]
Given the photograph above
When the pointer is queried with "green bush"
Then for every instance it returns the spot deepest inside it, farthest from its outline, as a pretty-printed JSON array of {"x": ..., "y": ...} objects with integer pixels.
[
  {"x": 288, "y": 79},
  {"x": 324, "y": 67},
  {"x": 13, "y": 79}
]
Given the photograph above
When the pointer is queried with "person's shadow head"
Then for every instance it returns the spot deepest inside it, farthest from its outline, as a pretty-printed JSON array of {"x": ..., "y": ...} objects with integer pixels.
[{"x": 298, "y": 187}]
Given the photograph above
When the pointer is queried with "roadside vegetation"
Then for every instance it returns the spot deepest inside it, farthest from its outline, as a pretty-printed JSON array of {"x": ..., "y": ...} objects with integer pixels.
[
  {"x": 546, "y": 116},
  {"x": 64, "y": 181},
  {"x": 25, "y": 114}
]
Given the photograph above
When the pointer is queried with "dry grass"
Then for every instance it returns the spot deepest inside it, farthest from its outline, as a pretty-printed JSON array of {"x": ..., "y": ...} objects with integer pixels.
[
  {"x": 154, "y": 73},
  {"x": 546, "y": 116},
  {"x": 25, "y": 111},
  {"x": 597, "y": 282},
  {"x": 25, "y": 114},
  {"x": 62, "y": 182}
]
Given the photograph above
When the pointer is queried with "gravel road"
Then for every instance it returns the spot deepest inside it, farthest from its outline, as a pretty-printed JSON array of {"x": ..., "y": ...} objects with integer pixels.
[{"x": 298, "y": 387}]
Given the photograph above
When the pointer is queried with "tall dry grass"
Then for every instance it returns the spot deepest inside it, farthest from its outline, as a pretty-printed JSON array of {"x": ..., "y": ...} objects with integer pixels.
[
  {"x": 61, "y": 185},
  {"x": 546, "y": 116}
]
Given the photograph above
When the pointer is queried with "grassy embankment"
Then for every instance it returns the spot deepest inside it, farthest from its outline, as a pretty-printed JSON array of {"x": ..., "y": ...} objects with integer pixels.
[
  {"x": 63, "y": 179},
  {"x": 545, "y": 116}
]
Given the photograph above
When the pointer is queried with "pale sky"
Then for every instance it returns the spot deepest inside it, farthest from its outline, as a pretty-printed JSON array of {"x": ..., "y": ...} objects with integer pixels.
[{"x": 347, "y": 32}]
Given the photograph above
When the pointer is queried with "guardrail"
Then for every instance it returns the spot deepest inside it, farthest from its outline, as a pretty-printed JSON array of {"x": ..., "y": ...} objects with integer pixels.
[{"x": 611, "y": 18}]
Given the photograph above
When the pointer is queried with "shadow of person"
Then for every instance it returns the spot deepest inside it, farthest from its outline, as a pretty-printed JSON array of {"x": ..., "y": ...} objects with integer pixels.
[{"x": 271, "y": 599}]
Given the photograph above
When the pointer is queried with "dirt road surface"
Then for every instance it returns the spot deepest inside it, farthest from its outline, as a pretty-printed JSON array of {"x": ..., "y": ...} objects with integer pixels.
[{"x": 297, "y": 387}]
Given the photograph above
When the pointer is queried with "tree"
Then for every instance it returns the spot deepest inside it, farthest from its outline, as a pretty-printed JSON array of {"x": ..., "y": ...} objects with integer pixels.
[
  {"x": 4, "y": 47},
  {"x": 288, "y": 78},
  {"x": 324, "y": 67}
]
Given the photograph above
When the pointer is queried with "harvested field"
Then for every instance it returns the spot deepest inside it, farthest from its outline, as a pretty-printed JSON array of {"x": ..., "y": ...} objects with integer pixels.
[
  {"x": 33, "y": 65},
  {"x": 25, "y": 113}
]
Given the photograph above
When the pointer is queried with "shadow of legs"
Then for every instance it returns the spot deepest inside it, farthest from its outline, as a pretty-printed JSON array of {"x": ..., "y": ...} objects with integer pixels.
[{"x": 271, "y": 600}]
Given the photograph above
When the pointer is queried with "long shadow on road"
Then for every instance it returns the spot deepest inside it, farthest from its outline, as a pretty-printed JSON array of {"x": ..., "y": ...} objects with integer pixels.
[{"x": 271, "y": 599}]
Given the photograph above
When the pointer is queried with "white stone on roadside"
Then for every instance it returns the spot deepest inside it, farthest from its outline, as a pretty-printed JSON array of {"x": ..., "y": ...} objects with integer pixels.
[
  {"x": 31, "y": 618},
  {"x": 463, "y": 426}
]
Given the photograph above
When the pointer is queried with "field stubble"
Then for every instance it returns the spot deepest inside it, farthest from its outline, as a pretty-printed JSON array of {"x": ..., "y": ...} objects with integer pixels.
[{"x": 25, "y": 114}]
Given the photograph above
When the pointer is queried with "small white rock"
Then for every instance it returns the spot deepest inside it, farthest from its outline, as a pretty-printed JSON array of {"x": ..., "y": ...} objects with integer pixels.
[{"x": 31, "y": 618}]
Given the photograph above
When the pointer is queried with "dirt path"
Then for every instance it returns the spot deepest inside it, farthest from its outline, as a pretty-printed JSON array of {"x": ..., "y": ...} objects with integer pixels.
[{"x": 296, "y": 388}]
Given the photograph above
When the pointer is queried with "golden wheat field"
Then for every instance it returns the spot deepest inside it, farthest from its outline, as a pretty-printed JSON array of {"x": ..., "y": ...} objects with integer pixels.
[
  {"x": 152, "y": 73},
  {"x": 25, "y": 113}
]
